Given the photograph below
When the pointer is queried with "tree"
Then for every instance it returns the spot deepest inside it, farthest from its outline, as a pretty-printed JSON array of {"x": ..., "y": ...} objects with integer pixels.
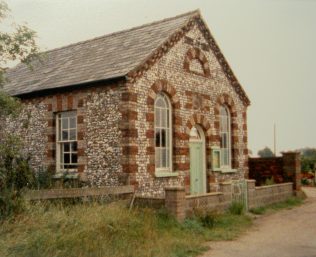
[
  {"x": 265, "y": 152},
  {"x": 15, "y": 172},
  {"x": 19, "y": 45},
  {"x": 308, "y": 159}
]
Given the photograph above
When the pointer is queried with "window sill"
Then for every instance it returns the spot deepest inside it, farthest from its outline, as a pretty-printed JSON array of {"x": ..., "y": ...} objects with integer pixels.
[
  {"x": 225, "y": 170},
  {"x": 165, "y": 174},
  {"x": 228, "y": 170},
  {"x": 72, "y": 175}
]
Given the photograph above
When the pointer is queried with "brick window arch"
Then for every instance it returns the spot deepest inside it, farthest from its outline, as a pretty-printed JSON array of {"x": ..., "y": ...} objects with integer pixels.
[{"x": 193, "y": 58}]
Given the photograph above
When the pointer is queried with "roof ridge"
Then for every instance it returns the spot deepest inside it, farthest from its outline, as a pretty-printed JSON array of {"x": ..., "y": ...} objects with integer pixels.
[{"x": 196, "y": 11}]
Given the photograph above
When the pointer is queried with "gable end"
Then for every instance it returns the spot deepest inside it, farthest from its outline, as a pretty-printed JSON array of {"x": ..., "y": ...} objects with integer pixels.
[{"x": 136, "y": 73}]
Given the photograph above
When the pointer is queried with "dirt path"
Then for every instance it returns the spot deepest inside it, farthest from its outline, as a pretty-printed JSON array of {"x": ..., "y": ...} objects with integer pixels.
[{"x": 288, "y": 233}]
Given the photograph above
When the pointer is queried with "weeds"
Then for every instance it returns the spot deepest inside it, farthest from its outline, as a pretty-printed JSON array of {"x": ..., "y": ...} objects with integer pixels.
[
  {"x": 236, "y": 208},
  {"x": 94, "y": 229},
  {"x": 288, "y": 204}
]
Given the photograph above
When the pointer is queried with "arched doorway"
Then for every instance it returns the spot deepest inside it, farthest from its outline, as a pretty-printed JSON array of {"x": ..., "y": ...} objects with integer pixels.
[{"x": 197, "y": 161}]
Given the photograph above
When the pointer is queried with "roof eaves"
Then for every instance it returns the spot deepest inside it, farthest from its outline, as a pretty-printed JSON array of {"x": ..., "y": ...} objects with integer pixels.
[{"x": 63, "y": 88}]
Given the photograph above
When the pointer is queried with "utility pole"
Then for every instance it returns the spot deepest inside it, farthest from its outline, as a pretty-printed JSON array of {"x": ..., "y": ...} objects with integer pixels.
[{"x": 274, "y": 139}]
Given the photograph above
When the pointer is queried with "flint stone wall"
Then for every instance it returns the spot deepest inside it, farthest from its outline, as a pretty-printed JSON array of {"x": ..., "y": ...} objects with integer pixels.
[
  {"x": 195, "y": 97},
  {"x": 116, "y": 121},
  {"x": 98, "y": 132}
]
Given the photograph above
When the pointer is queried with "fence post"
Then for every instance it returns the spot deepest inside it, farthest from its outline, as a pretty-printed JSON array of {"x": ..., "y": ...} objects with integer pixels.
[
  {"x": 292, "y": 168},
  {"x": 226, "y": 189},
  {"x": 175, "y": 202},
  {"x": 251, "y": 193}
]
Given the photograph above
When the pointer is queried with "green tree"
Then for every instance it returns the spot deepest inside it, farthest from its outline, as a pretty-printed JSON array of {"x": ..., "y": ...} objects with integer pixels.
[
  {"x": 265, "y": 152},
  {"x": 19, "y": 44},
  {"x": 15, "y": 172},
  {"x": 308, "y": 159}
]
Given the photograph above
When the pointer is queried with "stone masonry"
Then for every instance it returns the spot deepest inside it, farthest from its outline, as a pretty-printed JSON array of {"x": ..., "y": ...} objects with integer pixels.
[
  {"x": 99, "y": 136},
  {"x": 115, "y": 118},
  {"x": 196, "y": 97}
]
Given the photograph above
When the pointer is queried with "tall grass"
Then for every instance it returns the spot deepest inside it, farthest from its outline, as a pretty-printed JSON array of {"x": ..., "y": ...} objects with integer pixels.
[
  {"x": 81, "y": 230},
  {"x": 95, "y": 230}
]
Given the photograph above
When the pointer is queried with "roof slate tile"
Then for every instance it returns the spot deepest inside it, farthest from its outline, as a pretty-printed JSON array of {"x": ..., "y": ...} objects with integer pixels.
[{"x": 101, "y": 58}]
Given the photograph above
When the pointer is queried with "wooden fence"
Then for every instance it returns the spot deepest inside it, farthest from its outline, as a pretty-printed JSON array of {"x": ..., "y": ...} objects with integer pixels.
[{"x": 65, "y": 193}]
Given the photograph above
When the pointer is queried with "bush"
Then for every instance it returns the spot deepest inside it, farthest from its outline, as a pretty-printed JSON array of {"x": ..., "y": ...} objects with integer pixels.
[
  {"x": 15, "y": 174},
  {"x": 236, "y": 208},
  {"x": 308, "y": 178},
  {"x": 269, "y": 182},
  {"x": 258, "y": 210},
  {"x": 96, "y": 230},
  {"x": 205, "y": 218},
  {"x": 43, "y": 179}
]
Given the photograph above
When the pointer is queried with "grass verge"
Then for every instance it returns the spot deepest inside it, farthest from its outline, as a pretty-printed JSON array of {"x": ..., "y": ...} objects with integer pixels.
[
  {"x": 288, "y": 204},
  {"x": 111, "y": 230}
]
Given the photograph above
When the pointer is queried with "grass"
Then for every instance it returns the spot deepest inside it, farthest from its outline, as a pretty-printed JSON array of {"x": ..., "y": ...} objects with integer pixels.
[
  {"x": 111, "y": 230},
  {"x": 288, "y": 204},
  {"x": 93, "y": 229},
  {"x": 228, "y": 227}
]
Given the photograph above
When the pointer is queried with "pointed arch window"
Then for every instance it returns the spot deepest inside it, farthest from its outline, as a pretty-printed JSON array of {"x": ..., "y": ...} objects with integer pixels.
[
  {"x": 163, "y": 134},
  {"x": 225, "y": 137}
]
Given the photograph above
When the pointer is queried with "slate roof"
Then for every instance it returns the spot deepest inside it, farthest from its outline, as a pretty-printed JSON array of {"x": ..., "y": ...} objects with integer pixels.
[{"x": 107, "y": 57}]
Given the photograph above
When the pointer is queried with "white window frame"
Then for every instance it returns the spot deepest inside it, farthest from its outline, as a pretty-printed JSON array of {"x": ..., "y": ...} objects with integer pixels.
[
  {"x": 164, "y": 171},
  {"x": 216, "y": 158},
  {"x": 60, "y": 142},
  {"x": 225, "y": 167}
]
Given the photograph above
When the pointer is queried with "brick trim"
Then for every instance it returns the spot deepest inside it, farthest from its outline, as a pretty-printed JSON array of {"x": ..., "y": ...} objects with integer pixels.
[
  {"x": 161, "y": 51},
  {"x": 163, "y": 86},
  {"x": 61, "y": 103},
  {"x": 196, "y": 54},
  {"x": 199, "y": 119},
  {"x": 174, "y": 38},
  {"x": 156, "y": 88}
]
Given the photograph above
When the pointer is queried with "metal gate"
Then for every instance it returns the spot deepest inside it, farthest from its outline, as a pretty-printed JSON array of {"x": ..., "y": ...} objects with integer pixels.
[{"x": 239, "y": 192}]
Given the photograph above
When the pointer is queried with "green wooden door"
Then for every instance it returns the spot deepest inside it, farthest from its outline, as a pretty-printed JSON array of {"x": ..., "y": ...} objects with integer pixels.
[{"x": 197, "y": 180}]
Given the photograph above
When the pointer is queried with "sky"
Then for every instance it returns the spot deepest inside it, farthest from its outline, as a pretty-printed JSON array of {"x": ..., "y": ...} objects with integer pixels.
[{"x": 269, "y": 44}]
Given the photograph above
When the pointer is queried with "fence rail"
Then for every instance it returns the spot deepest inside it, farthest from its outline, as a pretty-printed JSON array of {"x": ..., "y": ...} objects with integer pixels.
[{"x": 64, "y": 193}]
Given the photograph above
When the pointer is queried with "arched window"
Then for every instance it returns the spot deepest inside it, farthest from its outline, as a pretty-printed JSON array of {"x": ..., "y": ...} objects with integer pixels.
[
  {"x": 163, "y": 130},
  {"x": 225, "y": 137}
]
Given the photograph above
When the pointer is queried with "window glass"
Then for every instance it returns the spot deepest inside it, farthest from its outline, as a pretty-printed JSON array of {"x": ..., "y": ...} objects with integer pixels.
[
  {"x": 157, "y": 136},
  {"x": 72, "y": 122},
  {"x": 66, "y": 147},
  {"x": 64, "y": 123},
  {"x": 162, "y": 133},
  {"x": 225, "y": 136},
  {"x": 64, "y": 135},
  {"x": 67, "y": 141},
  {"x": 72, "y": 135}
]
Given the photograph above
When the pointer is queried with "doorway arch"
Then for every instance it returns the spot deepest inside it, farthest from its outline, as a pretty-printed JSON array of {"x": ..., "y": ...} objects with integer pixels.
[{"x": 197, "y": 160}]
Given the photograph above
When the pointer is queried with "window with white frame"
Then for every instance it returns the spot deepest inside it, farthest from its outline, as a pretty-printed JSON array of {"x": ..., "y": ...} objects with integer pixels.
[
  {"x": 66, "y": 141},
  {"x": 225, "y": 138},
  {"x": 163, "y": 136}
]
